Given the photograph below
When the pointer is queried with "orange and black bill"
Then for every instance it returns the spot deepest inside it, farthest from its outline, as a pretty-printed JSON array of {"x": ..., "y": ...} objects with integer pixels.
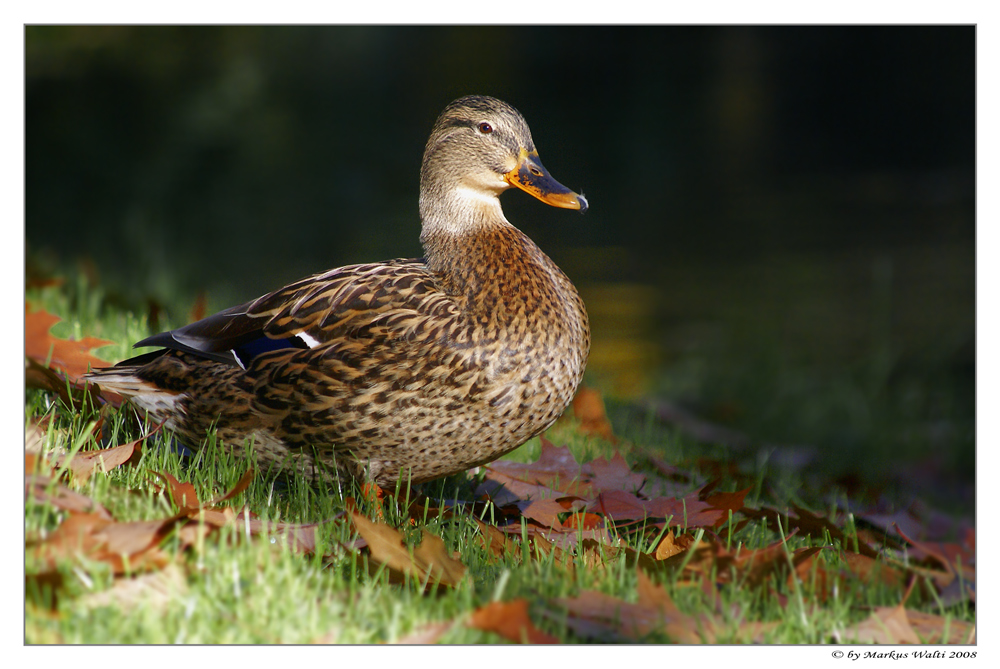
[{"x": 530, "y": 176}]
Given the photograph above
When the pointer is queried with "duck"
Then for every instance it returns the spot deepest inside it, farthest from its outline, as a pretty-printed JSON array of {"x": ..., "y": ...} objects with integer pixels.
[{"x": 406, "y": 370}]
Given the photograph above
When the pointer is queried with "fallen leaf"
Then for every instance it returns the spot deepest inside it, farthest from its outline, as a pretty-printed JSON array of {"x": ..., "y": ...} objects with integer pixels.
[
  {"x": 809, "y": 524},
  {"x": 886, "y": 625},
  {"x": 494, "y": 541},
  {"x": 510, "y": 620},
  {"x": 74, "y": 394},
  {"x": 157, "y": 590},
  {"x": 958, "y": 559},
  {"x": 183, "y": 495},
  {"x": 614, "y": 474},
  {"x": 556, "y": 473},
  {"x": 670, "y": 546},
  {"x": 68, "y": 356},
  {"x": 126, "y": 547},
  {"x": 588, "y": 408},
  {"x": 724, "y": 501},
  {"x": 430, "y": 560},
  {"x": 83, "y": 465},
  {"x": 45, "y": 491},
  {"x": 931, "y": 628},
  {"x": 240, "y": 486},
  {"x": 688, "y": 512},
  {"x": 655, "y": 611}
]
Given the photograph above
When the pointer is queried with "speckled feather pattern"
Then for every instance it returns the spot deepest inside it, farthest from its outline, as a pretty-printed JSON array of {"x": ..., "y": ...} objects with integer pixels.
[{"x": 416, "y": 368}]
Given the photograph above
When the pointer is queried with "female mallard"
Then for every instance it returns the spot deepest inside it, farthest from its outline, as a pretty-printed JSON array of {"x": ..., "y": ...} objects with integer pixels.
[{"x": 407, "y": 369}]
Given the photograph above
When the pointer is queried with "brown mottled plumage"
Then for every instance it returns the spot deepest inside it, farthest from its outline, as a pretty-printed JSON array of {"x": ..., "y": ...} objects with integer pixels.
[{"x": 407, "y": 369}]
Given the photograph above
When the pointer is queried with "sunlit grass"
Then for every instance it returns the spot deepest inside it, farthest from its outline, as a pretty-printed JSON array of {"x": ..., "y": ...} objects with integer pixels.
[{"x": 231, "y": 589}]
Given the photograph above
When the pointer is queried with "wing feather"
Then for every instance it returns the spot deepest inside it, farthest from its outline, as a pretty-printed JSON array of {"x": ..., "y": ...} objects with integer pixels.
[{"x": 314, "y": 312}]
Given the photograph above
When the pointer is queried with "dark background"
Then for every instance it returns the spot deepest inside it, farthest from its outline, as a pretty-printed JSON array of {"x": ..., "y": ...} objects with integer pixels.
[{"x": 782, "y": 224}]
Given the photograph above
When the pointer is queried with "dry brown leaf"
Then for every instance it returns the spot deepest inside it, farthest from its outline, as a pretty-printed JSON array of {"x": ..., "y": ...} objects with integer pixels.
[
  {"x": 83, "y": 465},
  {"x": 545, "y": 512},
  {"x": 126, "y": 547},
  {"x": 619, "y": 506},
  {"x": 931, "y": 628},
  {"x": 678, "y": 626},
  {"x": 43, "y": 490},
  {"x": 614, "y": 474},
  {"x": 430, "y": 560},
  {"x": 556, "y": 473},
  {"x": 655, "y": 611},
  {"x": 671, "y": 546},
  {"x": 886, "y": 625},
  {"x": 711, "y": 563},
  {"x": 871, "y": 570},
  {"x": 724, "y": 501},
  {"x": 183, "y": 495},
  {"x": 808, "y": 524},
  {"x": 511, "y": 621},
  {"x": 240, "y": 486},
  {"x": 495, "y": 542},
  {"x": 156, "y": 590},
  {"x": 588, "y": 408},
  {"x": 957, "y": 559},
  {"x": 68, "y": 356},
  {"x": 543, "y": 548},
  {"x": 583, "y": 521},
  {"x": 75, "y": 394}
]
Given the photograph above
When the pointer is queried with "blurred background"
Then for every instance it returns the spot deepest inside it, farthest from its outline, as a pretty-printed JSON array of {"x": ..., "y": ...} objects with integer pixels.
[{"x": 781, "y": 237}]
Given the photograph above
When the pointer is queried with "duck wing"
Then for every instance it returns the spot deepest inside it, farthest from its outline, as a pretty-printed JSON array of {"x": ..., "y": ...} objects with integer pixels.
[{"x": 311, "y": 313}]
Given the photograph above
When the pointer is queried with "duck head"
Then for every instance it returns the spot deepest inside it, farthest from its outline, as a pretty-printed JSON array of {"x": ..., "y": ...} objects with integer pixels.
[{"x": 480, "y": 147}]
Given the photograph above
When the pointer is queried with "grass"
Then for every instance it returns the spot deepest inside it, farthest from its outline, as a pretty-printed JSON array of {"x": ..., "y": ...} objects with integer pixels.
[{"x": 231, "y": 589}]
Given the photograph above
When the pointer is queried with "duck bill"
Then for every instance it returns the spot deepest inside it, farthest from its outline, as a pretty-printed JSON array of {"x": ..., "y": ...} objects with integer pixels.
[{"x": 530, "y": 176}]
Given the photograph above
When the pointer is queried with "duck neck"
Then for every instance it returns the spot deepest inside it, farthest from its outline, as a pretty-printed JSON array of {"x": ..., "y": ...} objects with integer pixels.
[
  {"x": 453, "y": 216},
  {"x": 478, "y": 255}
]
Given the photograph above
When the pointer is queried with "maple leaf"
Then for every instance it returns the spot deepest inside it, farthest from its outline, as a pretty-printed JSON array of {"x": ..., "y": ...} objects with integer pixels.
[
  {"x": 693, "y": 510},
  {"x": 73, "y": 358},
  {"x": 556, "y": 473},
  {"x": 614, "y": 474},
  {"x": 510, "y": 620}
]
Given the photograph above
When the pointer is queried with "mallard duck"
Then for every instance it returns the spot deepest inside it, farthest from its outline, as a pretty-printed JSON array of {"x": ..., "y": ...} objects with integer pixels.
[{"x": 409, "y": 369}]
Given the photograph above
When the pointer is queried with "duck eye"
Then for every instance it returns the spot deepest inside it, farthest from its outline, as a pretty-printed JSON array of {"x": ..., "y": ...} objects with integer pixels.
[{"x": 485, "y": 128}]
